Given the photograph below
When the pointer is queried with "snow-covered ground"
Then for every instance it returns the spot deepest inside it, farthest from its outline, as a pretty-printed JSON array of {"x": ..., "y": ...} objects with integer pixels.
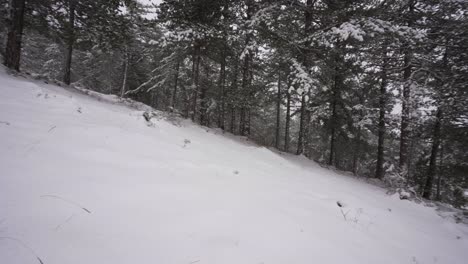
[{"x": 88, "y": 181}]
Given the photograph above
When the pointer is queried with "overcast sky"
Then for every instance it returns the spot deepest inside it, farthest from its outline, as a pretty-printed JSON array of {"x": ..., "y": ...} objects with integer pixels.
[
  {"x": 150, "y": 1},
  {"x": 147, "y": 2}
]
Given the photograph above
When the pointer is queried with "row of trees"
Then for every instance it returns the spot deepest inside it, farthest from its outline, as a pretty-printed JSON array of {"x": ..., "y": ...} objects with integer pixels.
[{"x": 378, "y": 88}]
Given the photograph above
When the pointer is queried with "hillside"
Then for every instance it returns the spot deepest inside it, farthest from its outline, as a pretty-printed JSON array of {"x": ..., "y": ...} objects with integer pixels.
[{"x": 90, "y": 181}]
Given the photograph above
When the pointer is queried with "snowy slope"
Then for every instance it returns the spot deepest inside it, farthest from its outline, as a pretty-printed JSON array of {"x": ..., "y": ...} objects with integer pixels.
[{"x": 154, "y": 197}]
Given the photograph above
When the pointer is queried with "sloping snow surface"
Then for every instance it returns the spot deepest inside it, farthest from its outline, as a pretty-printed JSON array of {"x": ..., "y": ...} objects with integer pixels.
[{"x": 90, "y": 181}]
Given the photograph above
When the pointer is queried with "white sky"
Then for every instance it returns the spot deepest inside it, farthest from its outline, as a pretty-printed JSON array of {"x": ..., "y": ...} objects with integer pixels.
[
  {"x": 150, "y": 1},
  {"x": 147, "y": 2}
]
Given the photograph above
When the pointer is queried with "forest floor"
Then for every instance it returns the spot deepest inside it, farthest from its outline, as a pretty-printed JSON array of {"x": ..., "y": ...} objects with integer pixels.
[{"x": 86, "y": 179}]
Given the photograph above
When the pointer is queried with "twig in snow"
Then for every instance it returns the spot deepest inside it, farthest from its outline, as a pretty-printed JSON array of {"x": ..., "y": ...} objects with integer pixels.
[
  {"x": 52, "y": 128},
  {"x": 344, "y": 214},
  {"x": 194, "y": 261},
  {"x": 24, "y": 245},
  {"x": 68, "y": 201},
  {"x": 5, "y": 122},
  {"x": 66, "y": 221}
]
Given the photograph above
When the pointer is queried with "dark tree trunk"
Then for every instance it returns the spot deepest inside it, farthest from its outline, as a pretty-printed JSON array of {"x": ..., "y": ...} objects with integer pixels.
[
  {"x": 303, "y": 137},
  {"x": 204, "y": 120},
  {"x": 379, "y": 173},
  {"x": 333, "y": 121},
  {"x": 15, "y": 34},
  {"x": 332, "y": 138},
  {"x": 247, "y": 125},
  {"x": 174, "y": 91},
  {"x": 357, "y": 152},
  {"x": 288, "y": 121},
  {"x": 300, "y": 139},
  {"x": 405, "y": 112},
  {"x": 69, "y": 41},
  {"x": 233, "y": 98},
  {"x": 195, "y": 78},
  {"x": 232, "y": 128},
  {"x": 439, "y": 178},
  {"x": 278, "y": 112},
  {"x": 245, "y": 91},
  {"x": 242, "y": 120},
  {"x": 124, "y": 81},
  {"x": 433, "y": 159},
  {"x": 246, "y": 74},
  {"x": 222, "y": 93},
  {"x": 405, "y": 119}
]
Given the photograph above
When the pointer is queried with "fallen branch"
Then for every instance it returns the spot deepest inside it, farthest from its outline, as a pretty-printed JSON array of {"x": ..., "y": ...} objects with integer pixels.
[
  {"x": 24, "y": 245},
  {"x": 68, "y": 201}
]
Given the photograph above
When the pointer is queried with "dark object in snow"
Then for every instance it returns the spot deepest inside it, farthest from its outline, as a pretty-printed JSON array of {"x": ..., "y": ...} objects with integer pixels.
[
  {"x": 236, "y": 172},
  {"x": 148, "y": 115},
  {"x": 79, "y": 110},
  {"x": 5, "y": 122},
  {"x": 24, "y": 245},
  {"x": 67, "y": 201},
  {"x": 339, "y": 204},
  {"x": 186, "y": 142}
]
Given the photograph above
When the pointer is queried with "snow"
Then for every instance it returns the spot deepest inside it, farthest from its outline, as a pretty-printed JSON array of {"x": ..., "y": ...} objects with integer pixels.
[{"x": 87, "y": 180}]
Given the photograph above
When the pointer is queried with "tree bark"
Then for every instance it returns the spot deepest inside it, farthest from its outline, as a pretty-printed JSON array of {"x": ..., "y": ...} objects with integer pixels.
[
  {"x": 222, "y": 94},
  {"x": 379, "y": 173},
  {"x": 300, "y": 139},
  {"x": 332, "y": 134},
  {"x": 357, "y": 152},
  {"x": 69, "y": 41},
  {"x": 245, "y": 91},
  {"x": 195, "y": 78},
  {"x": 15, "y": 34},
  {"x": 288, "y": 121},
  {"x": 333, "y": 117},
  {"x": 176, "y": 81},
  {"x": 246, "y": 76},
  {"x": 278, "y": 112},
  {"x": 439, "y": 178},
  {"x": 405, "y": 112},
  {"x": 204, "y": 120},
  {"x": 432, "y": 161},
  {"x": 233, "y": 99},
  {"x": 302, "y": 142},
  {"x": 124, "y": 82}
]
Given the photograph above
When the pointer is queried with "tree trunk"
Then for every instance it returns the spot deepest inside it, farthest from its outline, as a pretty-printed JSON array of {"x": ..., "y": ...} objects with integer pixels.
[
  {"x": 195, "y": 78},
  {"x": 333, "y": 118},
  {"x": 242, "y": 121},
  {"x": 432, "y": 162},
  {"x": 204, "y": 119},
  {"x": 233, "y": 99},
  {"x": 70, "y": 41},
  {"x": 357, "y": 152},
  {"x": 245, "y": 91},
  {"x": 405, "y": 112},
  {"x": 222, "y": 94},
  {"x": 379, "y": 173},
  {"x": 15, "y": 34},
  {"x": 174, "y": 91},
  {"x": 124, "y": 82},
  {"x": 278, "y": 112},
  {"x": 300, "y": 139},
  {"x": 247, "y": 124},
  {"x": 303, "y": 125},
  {"x": 288, "y": 121},
  {"x": 246, "y": 74},
  {"x": 439, "y": 178}
]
